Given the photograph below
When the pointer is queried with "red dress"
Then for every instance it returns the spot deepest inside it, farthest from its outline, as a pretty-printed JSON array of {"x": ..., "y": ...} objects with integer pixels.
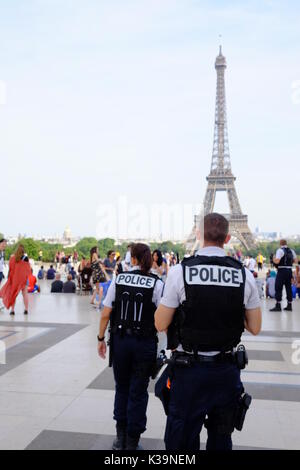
[{"x": 17, "y": 279}]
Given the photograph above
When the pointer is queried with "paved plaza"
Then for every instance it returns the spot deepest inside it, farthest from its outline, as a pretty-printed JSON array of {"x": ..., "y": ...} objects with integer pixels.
[{"x": 56, "y": 393}]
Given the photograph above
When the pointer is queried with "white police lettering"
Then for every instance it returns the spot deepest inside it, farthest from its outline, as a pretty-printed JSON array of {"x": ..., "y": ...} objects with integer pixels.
[
  {"x": 135, "y": 280},
  {"x": 209, "y": 275}
]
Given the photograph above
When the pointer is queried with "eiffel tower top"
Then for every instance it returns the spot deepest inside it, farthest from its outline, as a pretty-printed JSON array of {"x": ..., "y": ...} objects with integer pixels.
[
  {"x": 220, "y": 60},
  {"x": 220, "y": 165},
  {"x": 220, "y": 177}
]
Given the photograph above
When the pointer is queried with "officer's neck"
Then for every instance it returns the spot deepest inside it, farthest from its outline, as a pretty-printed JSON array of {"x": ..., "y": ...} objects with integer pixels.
[{"x": 213, "y": 245}]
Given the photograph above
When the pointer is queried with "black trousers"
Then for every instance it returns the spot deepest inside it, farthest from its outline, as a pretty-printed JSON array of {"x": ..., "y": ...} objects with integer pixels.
[
  {"x": 131, "y": 397},
  {"x": 283, "y": 278}
]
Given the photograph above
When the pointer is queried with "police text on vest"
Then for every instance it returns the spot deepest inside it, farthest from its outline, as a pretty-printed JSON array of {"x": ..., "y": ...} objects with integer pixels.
[
  {"x": 211, "y": 275},
  {"x": 135, "y": 280}
]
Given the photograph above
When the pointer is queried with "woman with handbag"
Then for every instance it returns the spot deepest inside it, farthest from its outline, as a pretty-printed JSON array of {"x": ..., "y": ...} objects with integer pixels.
[{"x": 98, "y": 274}]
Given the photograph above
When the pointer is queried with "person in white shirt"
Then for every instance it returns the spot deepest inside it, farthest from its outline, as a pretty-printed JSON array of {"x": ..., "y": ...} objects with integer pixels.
[
  {"x": 251, "y": 264},
  {"x": 218, "y": 298}
]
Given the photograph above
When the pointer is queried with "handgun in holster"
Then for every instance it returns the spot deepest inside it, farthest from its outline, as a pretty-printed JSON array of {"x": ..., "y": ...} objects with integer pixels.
[{"x": 242, "y": 408}]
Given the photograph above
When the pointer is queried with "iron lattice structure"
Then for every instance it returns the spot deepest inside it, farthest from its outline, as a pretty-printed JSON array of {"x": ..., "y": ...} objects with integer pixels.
[{"x": 220, "y": 177}]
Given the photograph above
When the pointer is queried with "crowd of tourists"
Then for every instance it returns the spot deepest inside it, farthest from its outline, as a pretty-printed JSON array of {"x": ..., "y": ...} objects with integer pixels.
[{"x": 69, "y": 274}]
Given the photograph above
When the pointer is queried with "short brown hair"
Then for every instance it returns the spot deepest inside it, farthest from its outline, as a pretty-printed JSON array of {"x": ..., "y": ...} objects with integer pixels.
[
  {"x": 216, "y": 228},
  {"x": 283, "y": 242}
]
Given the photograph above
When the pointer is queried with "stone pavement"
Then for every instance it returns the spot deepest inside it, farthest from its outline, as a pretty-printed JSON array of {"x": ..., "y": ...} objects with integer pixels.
[{"x": 56, "y": 393}]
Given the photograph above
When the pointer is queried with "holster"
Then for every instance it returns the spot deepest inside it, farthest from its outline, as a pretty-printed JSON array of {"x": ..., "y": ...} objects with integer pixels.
[{"x": 226, "y": 420}]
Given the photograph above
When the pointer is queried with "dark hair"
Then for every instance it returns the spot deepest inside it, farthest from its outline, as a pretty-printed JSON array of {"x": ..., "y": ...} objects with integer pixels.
[
  {"x": 283, "y": 242},
  {"x": 42, "y": 267},
  {"x": 92, "y": 251},
  {"x": 142, "y": 253},
  {"x": 159, "y": 257},
  {"x": 216, "y": 228},
  {"x": 109, "y": 253},
  {"x": 2, "y": 240},
  {"x": 51, "y": 266}
]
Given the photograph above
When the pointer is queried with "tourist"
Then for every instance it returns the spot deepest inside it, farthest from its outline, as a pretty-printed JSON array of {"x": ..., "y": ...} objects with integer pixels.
[
  {"x": 260, "y": 261},
  {"x": 127, "y": 263},
  {"x": 98, "y": 275},
  {"x": 82, "y": 264},
  {"x": 110, "y": 263},
  {"x": 69, "y": 264},
  {"x": 32, "y": 284},
  {"x": 41, "y": 273},
  {"x": 75, "y": 257},
  {"x": 259, "y": 285},
  {"x": 119, "y": 266},
  {"x": 159, "y": 264},
  {"x": 19, "y": 271},
  {"x": 73, "y": 273},
  {"x": 251, "y": 264},
  {"x": 270, "y": 285},
  {"x": 69, "y": 286},
  {"x": 57, "y": 285},
  {"x": 3, "y": 244},
  {"x": 40, "y": 255},
  {"x": 298, "y": 279},
  {"x": 51, "y": 273}
]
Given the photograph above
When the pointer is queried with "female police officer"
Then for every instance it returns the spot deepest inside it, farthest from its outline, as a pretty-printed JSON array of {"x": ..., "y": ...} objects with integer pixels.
[{"x": 130, "y": 305}]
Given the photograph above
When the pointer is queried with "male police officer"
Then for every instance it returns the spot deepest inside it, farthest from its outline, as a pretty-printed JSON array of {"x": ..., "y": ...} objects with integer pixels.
[
  {"x": 217, "y": 298},
  {"x": 283, "y": 260}
]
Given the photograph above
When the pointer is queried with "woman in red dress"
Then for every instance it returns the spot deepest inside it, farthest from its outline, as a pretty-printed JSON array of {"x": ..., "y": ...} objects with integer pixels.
[{"x": 19, "y": 271}]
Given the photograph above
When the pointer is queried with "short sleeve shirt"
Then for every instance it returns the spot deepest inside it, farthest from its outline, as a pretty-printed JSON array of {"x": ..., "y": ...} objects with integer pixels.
[
  {"x": 280, "y": 254},
  {"x": 174, "y": 292}
]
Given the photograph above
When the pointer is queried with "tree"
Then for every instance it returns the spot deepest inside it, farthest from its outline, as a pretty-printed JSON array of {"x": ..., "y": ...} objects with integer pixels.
[
  {"x": 105, "y": 245},
  {"x": 83, "y": 247}
]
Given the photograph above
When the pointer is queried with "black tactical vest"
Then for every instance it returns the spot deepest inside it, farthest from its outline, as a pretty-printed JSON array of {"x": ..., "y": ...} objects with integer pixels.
[
  {"x": 133, "y": 306},
  {"x": 212, "y": 317},
  {"x": 287, "y": 259}
]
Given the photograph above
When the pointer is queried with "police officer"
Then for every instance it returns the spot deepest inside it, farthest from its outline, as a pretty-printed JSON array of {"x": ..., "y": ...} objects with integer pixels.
[
  {"x": 130, "y": 303},
  {"x": 217, "y": 298},
  {"x": 283, "y": 260}
]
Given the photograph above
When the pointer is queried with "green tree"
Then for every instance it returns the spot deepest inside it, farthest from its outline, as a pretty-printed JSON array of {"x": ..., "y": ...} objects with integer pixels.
[
  {"x": 105, "y": 245},
  {"x": 84, "y": 246}
]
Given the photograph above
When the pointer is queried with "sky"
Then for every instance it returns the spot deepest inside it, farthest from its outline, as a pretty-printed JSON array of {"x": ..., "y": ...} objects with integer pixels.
[{"x": 107, "y": 113}]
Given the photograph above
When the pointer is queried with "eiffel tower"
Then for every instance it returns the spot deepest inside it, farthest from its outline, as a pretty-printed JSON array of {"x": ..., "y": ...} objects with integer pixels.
[{"x": 220, "y": 177}]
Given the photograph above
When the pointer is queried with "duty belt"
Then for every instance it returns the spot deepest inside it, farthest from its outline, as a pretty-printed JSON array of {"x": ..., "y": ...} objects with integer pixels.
[
  {"x": 132, "y": 331},
  {"x": 185, "y": 358},
  {"x": 238, "y": 357}
]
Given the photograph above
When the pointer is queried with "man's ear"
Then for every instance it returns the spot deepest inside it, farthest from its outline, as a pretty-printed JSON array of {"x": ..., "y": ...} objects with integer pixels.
[{"x": 227, "y": 239}]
